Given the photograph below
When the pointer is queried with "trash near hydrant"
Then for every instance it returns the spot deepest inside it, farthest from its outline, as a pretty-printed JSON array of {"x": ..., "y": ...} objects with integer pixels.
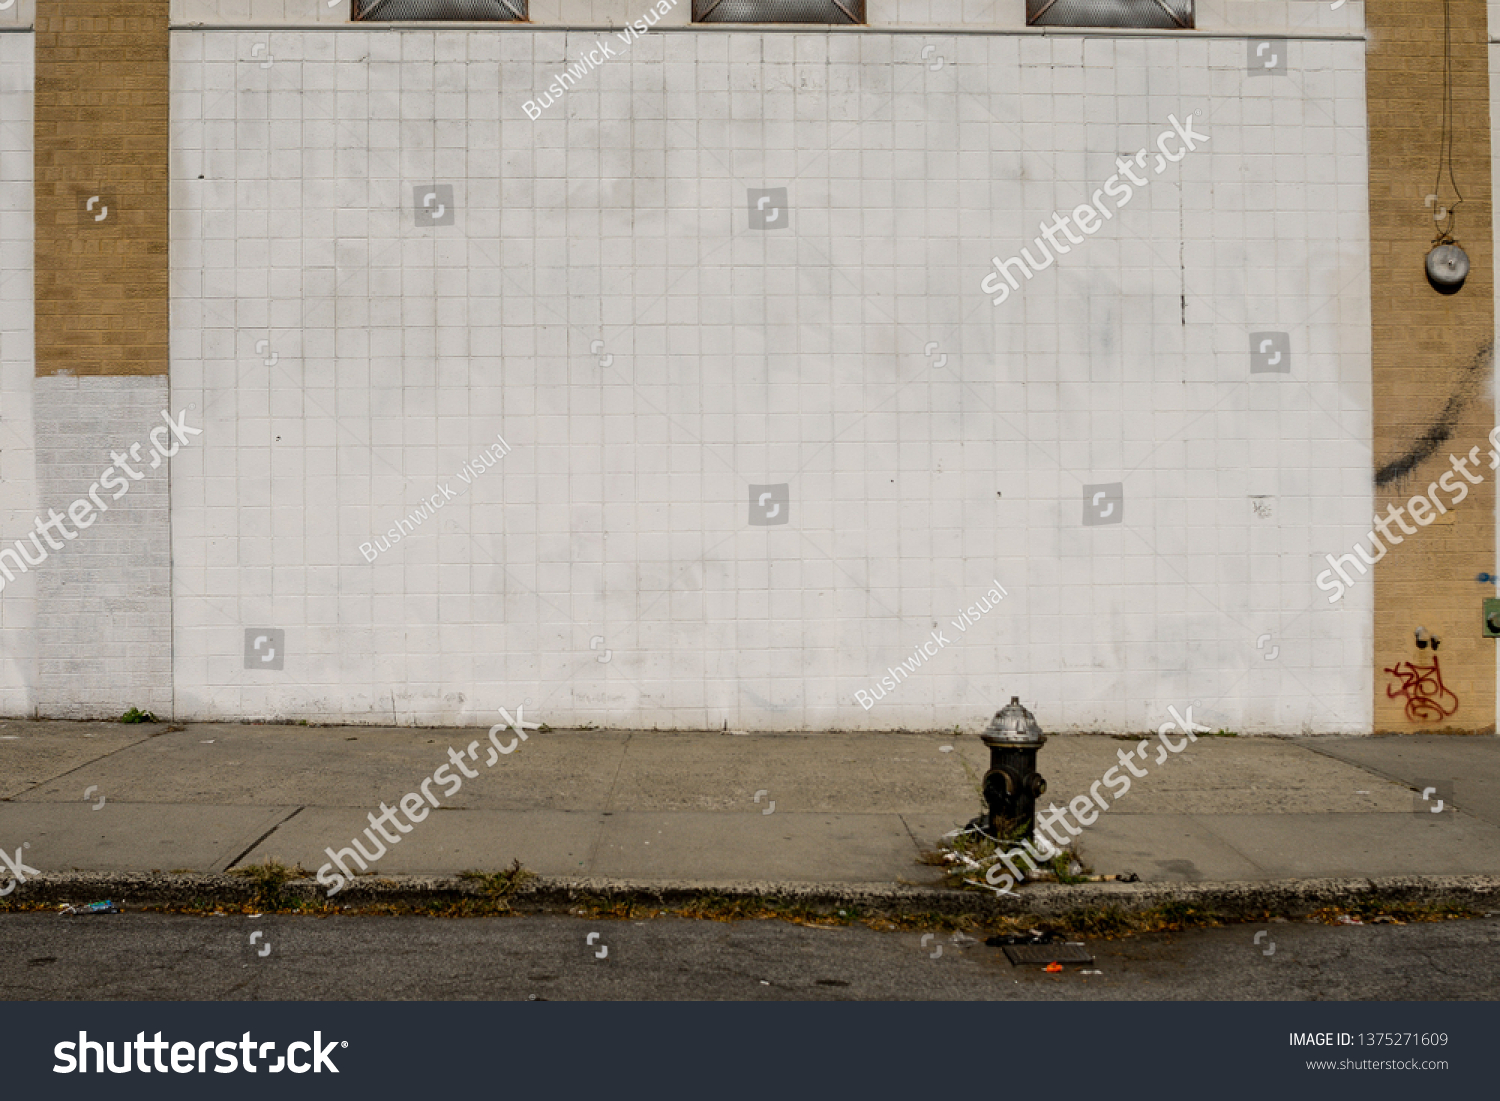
[
  {"x": 105, "y": 907},
  {"x": 1010, "y": 790},
  {"x": 1012, "y": 784}
]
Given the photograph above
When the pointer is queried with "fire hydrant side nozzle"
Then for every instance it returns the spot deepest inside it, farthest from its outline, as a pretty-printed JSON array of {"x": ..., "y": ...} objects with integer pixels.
[{"x": 1012, "y": 784}]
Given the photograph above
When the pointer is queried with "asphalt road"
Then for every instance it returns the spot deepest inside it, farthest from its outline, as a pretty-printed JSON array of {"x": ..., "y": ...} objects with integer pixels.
[{"x": 160, "y": 956}]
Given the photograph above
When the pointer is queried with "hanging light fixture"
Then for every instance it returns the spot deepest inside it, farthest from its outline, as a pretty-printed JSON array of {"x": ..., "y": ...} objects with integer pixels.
[
  {"x": 1447, "y": 265},
  {"x": 1447, "y": 262}
]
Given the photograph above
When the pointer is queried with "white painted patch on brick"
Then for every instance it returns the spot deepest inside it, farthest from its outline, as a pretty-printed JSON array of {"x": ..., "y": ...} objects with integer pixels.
[{"x": 104, "y": 623}]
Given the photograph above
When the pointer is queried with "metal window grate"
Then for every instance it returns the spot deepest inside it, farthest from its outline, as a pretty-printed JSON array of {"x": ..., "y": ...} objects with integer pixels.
[
  {"x": 778, "y": 11},
  {"x": 509, "y": 11},
  {"x": 1109, "y": 13}
]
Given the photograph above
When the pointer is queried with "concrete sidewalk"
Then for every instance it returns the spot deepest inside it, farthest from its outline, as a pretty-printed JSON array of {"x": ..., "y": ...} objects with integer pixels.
[{"x": 640, "y": 806}]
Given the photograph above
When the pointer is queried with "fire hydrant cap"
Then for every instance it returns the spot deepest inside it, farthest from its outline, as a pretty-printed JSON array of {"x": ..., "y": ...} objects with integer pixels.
[{"x": 1013, "y": 725}]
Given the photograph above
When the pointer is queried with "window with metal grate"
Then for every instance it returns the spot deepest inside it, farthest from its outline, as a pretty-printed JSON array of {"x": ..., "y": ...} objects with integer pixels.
[
  {"x": 465, "y": 10},
  {"x": 1109, "y": 13},
  {"x": 778, "y": 11}
]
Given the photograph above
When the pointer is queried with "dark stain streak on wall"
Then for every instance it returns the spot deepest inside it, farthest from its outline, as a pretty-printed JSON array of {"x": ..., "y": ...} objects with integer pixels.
[{"x": 1470, "y": 385}]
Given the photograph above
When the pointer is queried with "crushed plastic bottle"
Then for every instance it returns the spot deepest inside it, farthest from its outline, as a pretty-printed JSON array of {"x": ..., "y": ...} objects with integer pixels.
[{"x": 105, "y": 907}]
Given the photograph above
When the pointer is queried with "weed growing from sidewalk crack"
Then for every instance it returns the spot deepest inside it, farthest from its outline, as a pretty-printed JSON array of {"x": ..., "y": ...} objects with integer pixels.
[
  {"x": 499, "y": 885},
  {"x": 268, "y": 878}
]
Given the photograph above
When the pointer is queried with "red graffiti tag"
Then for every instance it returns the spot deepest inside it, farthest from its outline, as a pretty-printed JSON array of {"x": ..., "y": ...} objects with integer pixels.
[{"x": 1422, "y": 686}]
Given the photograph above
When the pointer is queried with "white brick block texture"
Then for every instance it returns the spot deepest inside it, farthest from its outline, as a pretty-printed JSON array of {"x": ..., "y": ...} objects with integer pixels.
[
  {"x": 104, "y": 603},
  {"x": 349, "y": 359}
]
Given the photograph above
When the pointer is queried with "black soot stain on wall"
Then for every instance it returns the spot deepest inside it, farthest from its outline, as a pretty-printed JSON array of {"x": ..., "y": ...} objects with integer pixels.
[{"x": 1470, "y": 385}]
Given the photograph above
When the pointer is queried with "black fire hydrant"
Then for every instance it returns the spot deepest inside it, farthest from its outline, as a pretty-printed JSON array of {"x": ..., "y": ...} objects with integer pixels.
[{"x": 1012, "y": 784}]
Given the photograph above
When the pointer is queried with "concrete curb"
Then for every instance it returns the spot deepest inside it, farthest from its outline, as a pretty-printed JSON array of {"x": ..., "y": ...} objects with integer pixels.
[{"x": 1234, "y": 900}]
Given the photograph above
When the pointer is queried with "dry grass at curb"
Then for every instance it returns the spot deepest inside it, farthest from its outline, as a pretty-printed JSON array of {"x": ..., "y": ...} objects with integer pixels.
[{"x": 274, "y": 887}]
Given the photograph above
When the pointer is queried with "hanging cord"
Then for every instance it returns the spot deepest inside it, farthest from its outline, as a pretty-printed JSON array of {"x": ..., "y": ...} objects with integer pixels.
[{"x": 1445, "y": 149}]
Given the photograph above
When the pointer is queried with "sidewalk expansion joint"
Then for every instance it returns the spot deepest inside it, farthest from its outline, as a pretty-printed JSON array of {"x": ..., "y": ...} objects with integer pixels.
[{"x": 256, "y": 843}]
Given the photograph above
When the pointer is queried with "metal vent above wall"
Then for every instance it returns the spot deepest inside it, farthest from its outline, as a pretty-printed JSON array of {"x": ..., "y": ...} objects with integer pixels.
[
  {"x": 509, "y": 11},
  {"x": 778, "y": 11},
  {"x": 1109, "y": 13}
]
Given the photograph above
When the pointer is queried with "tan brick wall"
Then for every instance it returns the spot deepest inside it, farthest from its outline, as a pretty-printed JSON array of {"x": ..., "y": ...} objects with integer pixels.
[
  {"x": 102, "y": 81},
  {"x": 1432, "y": 352}
]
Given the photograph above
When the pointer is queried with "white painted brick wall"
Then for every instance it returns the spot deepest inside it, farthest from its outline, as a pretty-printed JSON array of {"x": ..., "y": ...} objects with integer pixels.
[
  {"x": 18, "y": 491},
  {"x": 104, "y": 617},
  {"x": 744, "y": 357}
]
